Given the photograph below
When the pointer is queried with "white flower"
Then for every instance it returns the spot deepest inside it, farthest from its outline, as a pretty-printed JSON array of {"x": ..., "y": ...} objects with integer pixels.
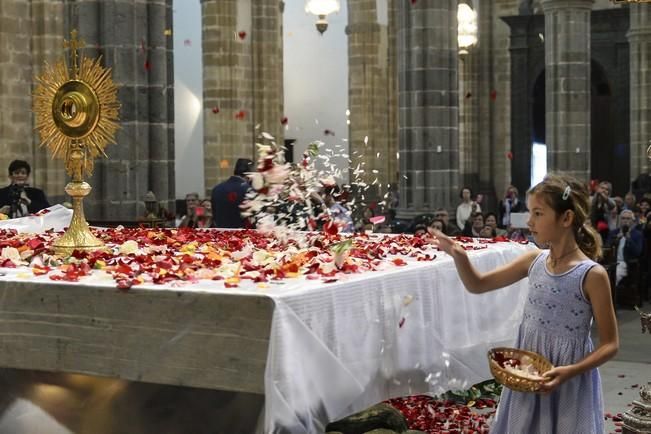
[
  {"x": 129, "y": 247},
  {"x": 12, "y": 254}
]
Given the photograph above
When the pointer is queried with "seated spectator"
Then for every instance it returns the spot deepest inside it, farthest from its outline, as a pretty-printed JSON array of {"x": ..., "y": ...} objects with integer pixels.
[
  {"x": 438, "y": 224},
  {"x": 191, "y": 201},
  {"x": 628, "y": 241},
  {"x": 643, "y": 208},
  {"x": 450, "y": 229},
  {"x": 511, "y": 203},
  {"x": 18, "y": 199},
  {"x": 466, "y": 208},
  {"x": 629, "y": 201},
  {"x": 490, "y": 219},
  {"x": 420, "y": 230},
  {"x": 474, "y": 225},
  {"x": 487, "y": 232},
  {"x": 204, "y": 214},
  {"x": 600, "y": 206}
]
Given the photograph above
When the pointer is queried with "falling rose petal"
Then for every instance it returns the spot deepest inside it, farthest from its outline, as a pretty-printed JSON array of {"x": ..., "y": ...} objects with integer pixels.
[
  {"x": 147, "y": 65},
  {"x": 509, "y": 155},
  {"x": 377, "y": 219},
  {"x": 224, "y": 164},
  {"x": 468, "y": 95},
  {"x": 241, "y": 34},
  {"x": 621, "y": 376},
  {"x": 284, "y": 120},
  {"x": 240, "y": 115},
  {"x": 187, "y": 42},
  {"x": 493, "y": 95},
  {"x": 401, "y": 322},
  {"x": 215, "y": 110}
]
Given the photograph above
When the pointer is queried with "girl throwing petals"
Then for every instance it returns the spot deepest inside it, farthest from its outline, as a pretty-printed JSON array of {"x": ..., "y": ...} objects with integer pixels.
[{"x": 567, "y": 289}]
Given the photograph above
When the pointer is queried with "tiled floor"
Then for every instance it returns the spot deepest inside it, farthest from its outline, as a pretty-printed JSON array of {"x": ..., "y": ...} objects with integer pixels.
[{"x": 86, "y": 405}]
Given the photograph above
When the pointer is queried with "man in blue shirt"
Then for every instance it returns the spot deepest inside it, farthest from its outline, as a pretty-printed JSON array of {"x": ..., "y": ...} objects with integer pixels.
[{"x": 227, "y": 197}]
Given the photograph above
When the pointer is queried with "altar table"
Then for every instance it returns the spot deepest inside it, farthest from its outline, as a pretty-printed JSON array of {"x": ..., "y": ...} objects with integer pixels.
[{"x": 316, "y": 350}]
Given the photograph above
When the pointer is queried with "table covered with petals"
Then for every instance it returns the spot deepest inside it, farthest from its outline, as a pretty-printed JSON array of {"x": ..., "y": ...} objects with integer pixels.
[{"x": 317, "y": 348}]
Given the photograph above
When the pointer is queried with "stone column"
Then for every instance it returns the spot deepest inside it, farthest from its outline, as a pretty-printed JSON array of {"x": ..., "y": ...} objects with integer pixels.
[
  {"x": 132, "y": 38},
  {"x": 428, "y": 106},
  {"x": 15, "y": 86},
  {"x": 639, "y": 38},
  {"x": 47, "y": 46},
  {"x": 267, "y": 52},
  {"x": 567, "y": 75},
  {"x": 372, "y": 95},
  {"x": 242, "y": 81}
]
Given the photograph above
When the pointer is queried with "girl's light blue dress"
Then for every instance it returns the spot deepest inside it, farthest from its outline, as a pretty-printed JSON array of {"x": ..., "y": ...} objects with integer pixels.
[{"x": 556, "y": 323}]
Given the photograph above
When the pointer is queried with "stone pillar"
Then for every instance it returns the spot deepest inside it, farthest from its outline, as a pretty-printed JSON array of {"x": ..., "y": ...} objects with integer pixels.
[
  {"x": 47, "y": 46},
  {"x": 469, "y": 137},
  {"x": 372, "y": 95},
  {"x": 567, "y": 82},
  {"x": 132, "y": 38},
  {"x": 243, "y": 81},
  {"x": 639, "y": 38},
  {"x": 16, "y": 123},
  {"x": 267, "y": 52},
  {"x": 428, "y": 106}
]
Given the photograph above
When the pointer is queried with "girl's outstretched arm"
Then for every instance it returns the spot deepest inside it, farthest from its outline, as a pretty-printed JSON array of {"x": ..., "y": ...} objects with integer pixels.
[
  {"x": 477, "y": 282},
  {"x": 597, "y": 289}
]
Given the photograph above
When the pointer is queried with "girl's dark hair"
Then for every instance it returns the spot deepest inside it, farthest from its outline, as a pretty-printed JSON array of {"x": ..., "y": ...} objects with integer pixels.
[{"x": 554, "y": 191}]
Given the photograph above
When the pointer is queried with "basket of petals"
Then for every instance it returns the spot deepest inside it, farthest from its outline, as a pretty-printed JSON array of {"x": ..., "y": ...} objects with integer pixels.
[{"x": 519, "y": 370}]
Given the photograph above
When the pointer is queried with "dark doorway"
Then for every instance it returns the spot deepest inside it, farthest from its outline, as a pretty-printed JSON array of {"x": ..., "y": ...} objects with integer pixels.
[{"x": 609, "y": 160}]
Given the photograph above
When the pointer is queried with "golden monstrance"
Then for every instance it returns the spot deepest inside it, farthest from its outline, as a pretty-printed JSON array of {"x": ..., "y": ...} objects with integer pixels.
[{"x": 76, "y": 110}]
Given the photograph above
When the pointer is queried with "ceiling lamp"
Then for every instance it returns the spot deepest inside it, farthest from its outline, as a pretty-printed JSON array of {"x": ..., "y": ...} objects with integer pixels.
[
  {"x": 467, "y": 30},
  {"x": 322, "y": 8}
]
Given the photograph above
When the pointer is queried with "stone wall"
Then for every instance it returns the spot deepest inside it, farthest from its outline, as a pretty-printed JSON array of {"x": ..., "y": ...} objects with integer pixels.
[
  {"x": 243, "y": 81},
  {"x": 134, "y": 40}
]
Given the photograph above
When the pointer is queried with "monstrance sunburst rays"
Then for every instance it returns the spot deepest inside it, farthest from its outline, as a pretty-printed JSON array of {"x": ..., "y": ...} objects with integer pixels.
[
  {"x": 60, "y": 118},
  {"x": 76, "y": 110}
]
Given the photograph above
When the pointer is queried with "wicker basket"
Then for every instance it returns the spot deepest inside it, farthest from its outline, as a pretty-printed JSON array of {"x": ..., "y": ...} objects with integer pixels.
[{"x": 514, "y": 381}]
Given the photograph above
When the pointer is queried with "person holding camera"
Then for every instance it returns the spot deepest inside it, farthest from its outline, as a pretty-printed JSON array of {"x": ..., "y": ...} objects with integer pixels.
[
  {"x": 18, "y": 199},
  {"x": 510, "y": 204},
  {"x": 628, "y": 240}
]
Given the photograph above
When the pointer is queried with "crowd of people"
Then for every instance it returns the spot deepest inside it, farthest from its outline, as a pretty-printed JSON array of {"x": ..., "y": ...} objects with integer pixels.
[{"x": 624, "y": 223}]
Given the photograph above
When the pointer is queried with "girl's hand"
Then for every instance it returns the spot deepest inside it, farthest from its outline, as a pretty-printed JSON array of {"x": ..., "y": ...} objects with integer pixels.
[
  {"x": 556, "y": 377},
  {"x": 442, "y": 241}
]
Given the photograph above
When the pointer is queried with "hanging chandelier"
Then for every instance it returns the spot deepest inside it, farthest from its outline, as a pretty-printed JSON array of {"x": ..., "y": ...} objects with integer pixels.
[
  {"x": 467, "y": 27},
  {"x": 322, "y": 8}
]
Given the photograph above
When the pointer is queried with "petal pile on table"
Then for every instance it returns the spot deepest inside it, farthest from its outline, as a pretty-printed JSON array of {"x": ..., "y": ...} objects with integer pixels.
[{"x": 137, "y": 255}]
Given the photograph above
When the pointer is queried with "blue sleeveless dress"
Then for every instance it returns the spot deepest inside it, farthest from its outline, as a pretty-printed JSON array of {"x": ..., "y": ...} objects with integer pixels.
[{"x": 556, "y": 323}]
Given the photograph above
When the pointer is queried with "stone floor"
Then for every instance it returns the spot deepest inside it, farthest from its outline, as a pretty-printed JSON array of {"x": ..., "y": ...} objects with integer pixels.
[
  {"x": 631, "y": 366},
  {"x": 37, "y": 403}
]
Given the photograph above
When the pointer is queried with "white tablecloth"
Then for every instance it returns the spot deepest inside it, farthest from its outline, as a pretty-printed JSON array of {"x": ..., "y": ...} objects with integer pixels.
[{"x": 337, "y": 348}]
